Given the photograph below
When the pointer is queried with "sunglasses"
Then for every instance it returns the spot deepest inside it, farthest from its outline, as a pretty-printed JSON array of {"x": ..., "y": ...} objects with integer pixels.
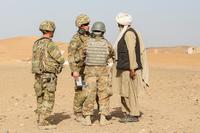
[{"x": 85, "y": 24}]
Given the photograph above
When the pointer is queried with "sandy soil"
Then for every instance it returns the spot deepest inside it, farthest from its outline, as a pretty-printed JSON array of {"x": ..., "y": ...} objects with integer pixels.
[{"x": 170, "y": 105}]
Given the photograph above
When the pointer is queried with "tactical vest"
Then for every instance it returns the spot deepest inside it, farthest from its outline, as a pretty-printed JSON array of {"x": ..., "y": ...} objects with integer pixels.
[
  {"x": 97, "y": 52},
  {"x": 41, "y": 60},
  {"x": 123, "y": 62}
]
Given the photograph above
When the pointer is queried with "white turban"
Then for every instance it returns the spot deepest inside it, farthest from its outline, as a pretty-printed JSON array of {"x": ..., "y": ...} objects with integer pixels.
[{"x": 124, "y": 19}]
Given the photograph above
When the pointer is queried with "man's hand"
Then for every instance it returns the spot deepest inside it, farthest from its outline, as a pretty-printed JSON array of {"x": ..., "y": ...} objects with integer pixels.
[
  {"x": 75, "y": 75},
  {"x": 132, "y": 74}
]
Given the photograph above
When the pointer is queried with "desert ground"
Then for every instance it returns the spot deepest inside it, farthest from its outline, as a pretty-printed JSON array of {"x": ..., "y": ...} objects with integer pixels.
[{"x": 170, "y": 105}]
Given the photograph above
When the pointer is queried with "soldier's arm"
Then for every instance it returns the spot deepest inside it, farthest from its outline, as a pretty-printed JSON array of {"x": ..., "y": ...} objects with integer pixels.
[
  {"x": 71, "y": 54},
  {"x": 130, "y": 39},
  {"x": 55, "y": 53},
  {"x": 111, "y": 52}
]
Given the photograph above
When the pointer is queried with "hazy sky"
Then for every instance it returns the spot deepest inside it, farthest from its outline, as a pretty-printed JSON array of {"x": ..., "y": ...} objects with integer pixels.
[{"x": 161, "y": 22}]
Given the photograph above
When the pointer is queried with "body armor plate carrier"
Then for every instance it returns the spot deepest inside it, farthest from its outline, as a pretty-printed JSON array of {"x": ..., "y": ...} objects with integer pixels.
[{"x": 97, "y": 53}]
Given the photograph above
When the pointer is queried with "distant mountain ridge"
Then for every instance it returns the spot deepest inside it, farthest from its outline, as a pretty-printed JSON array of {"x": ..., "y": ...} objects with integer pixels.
[{"x": 20, "y": 48}]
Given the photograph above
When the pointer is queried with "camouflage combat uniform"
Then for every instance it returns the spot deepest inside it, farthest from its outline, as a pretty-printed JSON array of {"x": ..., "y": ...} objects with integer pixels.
[
  {"x": 47, "y": 61},
  {"x": 97, "y": 74},
  {"x": 76, "y": 62}
]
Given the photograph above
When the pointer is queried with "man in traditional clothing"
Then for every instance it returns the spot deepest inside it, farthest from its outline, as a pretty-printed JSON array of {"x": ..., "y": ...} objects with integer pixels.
[{"x": 130, "y": 62}]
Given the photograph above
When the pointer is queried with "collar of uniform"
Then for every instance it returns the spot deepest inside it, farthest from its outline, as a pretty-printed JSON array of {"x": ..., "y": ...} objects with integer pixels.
[
  {"x": 45, "y": 38},
  {"x": 99, "y": 37}
]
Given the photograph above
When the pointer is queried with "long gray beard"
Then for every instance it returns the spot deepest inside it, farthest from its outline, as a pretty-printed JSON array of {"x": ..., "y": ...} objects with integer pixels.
[{"x": 122, "y": 31}]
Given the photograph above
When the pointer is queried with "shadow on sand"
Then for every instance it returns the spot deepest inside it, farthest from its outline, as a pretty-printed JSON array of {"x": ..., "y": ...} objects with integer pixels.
[
  {"x": 58, "y": 117},
  {"x": 117, "y": 112}
]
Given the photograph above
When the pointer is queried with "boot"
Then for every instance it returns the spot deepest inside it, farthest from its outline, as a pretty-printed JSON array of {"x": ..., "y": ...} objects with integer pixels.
[
  {"x": 79, "y": 117},
  {"x": 44, "y": 124},
  {"x": 124, "y": 118},
  {"x": 128, "y": 118},
  {"x": 132, "y": 118},
  {"x": 104, "y": 121},
  {"x": 42, "y": 120},
  {"x": 38, "y": 118},
  {"x": 87, "y": 121}
]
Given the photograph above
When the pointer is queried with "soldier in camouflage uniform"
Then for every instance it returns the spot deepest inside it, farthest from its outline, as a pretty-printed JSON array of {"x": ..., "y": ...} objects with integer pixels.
[
  {"x": 76, "y": 62},
  {"x": 98, "y": 51},
  {"x": 47, "y": 62}
]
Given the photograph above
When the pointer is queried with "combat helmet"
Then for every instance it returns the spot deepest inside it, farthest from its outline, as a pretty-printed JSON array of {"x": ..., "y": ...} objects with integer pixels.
[
  {"x": 98, "y": 26},
  {"x": 47, "y": 26},
  {"x": 82, "y": 19}
]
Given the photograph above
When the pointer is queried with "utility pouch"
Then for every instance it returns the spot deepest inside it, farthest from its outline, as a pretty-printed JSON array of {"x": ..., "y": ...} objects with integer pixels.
[{"x": 50, "y": 82}]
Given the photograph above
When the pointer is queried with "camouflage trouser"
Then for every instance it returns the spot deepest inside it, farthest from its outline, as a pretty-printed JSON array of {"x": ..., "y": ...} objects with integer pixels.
[
  {"x": 45, "y": 87},
  {"x": 98, "y": 85},
  {"x": 79, "y": 97},
  {"x": 82, "y": 101}
]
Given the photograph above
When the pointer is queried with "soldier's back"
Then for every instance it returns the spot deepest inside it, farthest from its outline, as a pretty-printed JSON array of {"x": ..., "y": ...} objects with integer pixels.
[{"x": 38, "y": 52}]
